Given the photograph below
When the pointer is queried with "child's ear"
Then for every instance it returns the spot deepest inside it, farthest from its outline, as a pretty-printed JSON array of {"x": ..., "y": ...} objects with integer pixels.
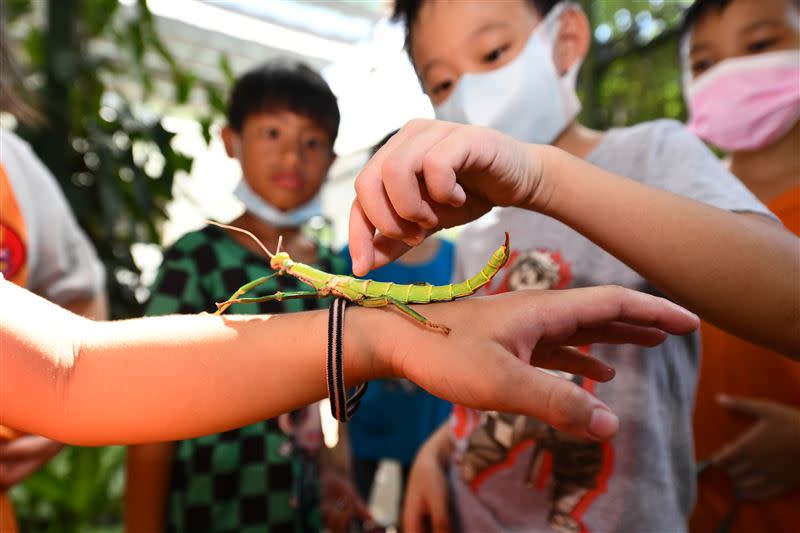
[
  {"x": 574, "y": 38},
  {"x": 231, "y": 141}
]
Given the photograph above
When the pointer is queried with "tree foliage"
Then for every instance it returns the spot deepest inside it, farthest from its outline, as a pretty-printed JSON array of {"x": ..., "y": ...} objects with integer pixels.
[{"x": 92, "y": 65}]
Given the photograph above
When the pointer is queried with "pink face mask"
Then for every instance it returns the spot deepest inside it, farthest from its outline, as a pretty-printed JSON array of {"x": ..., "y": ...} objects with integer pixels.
[{"x": 745, "y": 103}]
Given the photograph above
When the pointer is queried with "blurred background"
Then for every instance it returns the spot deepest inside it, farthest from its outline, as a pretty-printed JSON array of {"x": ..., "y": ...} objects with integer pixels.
[{"x": 133, "y": 93}]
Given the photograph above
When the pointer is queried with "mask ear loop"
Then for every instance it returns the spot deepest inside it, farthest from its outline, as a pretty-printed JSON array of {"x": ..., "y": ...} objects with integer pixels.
[{"x": 686, "y": 72}]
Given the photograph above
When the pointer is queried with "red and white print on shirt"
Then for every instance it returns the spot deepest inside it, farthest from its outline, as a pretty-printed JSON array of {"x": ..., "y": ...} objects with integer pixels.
[
  {"x": 573, "y": 472},
  {"x": 12, "y": 252}
]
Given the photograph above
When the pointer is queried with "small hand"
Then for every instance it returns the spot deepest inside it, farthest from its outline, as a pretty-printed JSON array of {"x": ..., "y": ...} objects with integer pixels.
[
  {"x": 487, "y": 362},
  {"x": 23, "y": 456},
  {"x": 433, "y": 175},
  {"x": 763, "y": 462},
  {"x": 341, "y": 503},
  {"x": 426, "y": 506}
]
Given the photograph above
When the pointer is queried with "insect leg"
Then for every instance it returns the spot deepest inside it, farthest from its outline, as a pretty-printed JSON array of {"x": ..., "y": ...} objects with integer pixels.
[
  {"x": 243, "y": 289},
  {"x": 279, "y": 296},
  {"x": 416, "y": 316}
]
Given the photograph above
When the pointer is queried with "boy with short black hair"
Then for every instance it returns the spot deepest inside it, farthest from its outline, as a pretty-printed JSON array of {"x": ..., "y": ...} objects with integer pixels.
[
  {"x": 741, "y": 71},
  {"x": 282, "y": 123},
  {"x": 678, "y": 223}
]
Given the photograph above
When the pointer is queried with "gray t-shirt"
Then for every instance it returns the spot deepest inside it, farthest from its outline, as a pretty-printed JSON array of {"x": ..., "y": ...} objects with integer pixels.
[
  {"x": 62, "y": 263},
  {"x": 510, "y": 473}
]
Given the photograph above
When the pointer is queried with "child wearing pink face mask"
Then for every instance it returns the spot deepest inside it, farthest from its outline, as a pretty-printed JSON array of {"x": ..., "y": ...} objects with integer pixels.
[{"x": 741, "y": 61}]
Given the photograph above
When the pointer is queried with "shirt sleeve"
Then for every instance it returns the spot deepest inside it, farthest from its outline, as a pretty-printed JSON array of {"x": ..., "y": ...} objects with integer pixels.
[
  {"x": 176, "y": 289},
  {"x": 63, "y": 264},
  {"x": 684, "y": 165}
]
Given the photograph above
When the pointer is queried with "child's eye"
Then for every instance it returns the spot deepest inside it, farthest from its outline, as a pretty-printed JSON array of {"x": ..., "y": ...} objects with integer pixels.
[
  {"x": 759, "y": 46},
  {"x": 441, "y": 88},
  {"x": 495, "y": 54},
  {"x": 271, "y": 133},
  {"x": 314, "y": 144},
  {"x": 700, "y": 66}
]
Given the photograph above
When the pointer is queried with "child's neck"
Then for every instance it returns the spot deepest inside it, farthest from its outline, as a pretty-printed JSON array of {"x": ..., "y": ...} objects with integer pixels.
[
  {"x": 770, "y": 171},
  {"x": 578, "y": 140}
]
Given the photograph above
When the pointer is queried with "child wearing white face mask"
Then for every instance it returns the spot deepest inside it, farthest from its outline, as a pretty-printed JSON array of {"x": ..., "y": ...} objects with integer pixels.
[
  {"x": 741, "y": 62},
  {"x": 282, "y": 123},
  {"x": 648, "y": 206}
]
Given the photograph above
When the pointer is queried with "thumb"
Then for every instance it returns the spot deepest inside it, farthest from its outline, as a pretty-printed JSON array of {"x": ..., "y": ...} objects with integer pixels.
[{"x": 748, "y": 406}]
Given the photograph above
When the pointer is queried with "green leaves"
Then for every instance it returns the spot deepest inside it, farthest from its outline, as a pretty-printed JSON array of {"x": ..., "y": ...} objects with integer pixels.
[
  {"x": 92, "y": 130},
  {"x": 79, "y": 489}
]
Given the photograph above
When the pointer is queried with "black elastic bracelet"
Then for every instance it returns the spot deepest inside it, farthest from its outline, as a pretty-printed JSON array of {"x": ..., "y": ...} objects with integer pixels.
[{"x": 342, "y": 407}]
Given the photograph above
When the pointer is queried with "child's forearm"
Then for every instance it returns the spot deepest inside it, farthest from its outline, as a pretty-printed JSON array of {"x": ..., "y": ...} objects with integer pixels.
[
  {"x": 159, "y": 378},
  {"x": 712, "y": 261},
  {"x": 147, "y": 475}
]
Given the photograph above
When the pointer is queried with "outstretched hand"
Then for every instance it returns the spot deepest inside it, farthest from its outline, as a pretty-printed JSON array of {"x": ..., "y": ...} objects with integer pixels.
[
  {"x": 432, "y": 175},
  {"x": 488, "y": 360}
]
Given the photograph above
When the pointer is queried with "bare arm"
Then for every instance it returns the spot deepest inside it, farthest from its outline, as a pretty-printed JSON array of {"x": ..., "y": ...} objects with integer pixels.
[
  {"x": 736, "y": 270},
  {"x": 146, "y": 483},
  {"x": 739, "y": 271},
  {"x": 94, "y": 308},
  {"x": 75, "y": 380}
]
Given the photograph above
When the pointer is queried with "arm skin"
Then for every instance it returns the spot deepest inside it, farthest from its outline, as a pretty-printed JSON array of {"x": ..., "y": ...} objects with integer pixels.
[
  {"x": 81, "y": 382},
  {"x": 147, "y": 468},
  {"x": 427, "y": 498},
  {"x": 738, "y": 271},
  {"x": 24, "y": 455},
  {"x": 741, "y": 271}
]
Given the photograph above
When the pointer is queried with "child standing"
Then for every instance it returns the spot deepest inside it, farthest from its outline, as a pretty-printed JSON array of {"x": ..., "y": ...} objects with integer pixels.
[
  {"x": 511, "y": 66},
  {"x": 741, "y": 62},
  {"x": 282, "y": 124}
]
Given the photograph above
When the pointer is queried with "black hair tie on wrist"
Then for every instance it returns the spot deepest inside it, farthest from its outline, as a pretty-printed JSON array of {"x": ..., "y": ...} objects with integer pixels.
[{"x": 342, "y": 407}]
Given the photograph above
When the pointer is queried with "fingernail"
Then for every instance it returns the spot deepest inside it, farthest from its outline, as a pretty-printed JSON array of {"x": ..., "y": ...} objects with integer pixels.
[
  {"x": 457, "y": 196},
  {"x": 603, "y": 424}
]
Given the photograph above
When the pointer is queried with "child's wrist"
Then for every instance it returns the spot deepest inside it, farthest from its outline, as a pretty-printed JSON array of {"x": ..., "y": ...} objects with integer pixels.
[
  {"x": 365, "y": 355},
  {"x": 543, "y": 163}
]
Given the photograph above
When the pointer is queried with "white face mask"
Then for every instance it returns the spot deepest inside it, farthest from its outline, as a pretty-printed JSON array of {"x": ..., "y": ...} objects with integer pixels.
[
  {"x": 526, "y": 98},
  {"x": 271, "y": 215}
]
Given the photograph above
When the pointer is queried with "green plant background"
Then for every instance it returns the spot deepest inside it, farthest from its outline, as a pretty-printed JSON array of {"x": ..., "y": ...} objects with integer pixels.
[{"x": 117, "y": 165}]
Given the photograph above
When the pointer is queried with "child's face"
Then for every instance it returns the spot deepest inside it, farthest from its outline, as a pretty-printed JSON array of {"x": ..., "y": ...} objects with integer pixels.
[
  {"x": 285, "y": 157},
  {"x": 487, "y": 36},
  {"x": 745, "y": 27}
]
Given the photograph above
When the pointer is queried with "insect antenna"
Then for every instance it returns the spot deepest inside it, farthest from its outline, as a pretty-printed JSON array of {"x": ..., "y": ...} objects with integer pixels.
[
  {"x": 240, "y": 230},
  {"x": 280, "y": 241}
]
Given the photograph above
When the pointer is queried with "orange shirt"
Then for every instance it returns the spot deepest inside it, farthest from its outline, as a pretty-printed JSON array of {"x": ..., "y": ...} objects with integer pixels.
[
  {"x": 739, "y": 368},
  {"x": 13, "y": 265}
]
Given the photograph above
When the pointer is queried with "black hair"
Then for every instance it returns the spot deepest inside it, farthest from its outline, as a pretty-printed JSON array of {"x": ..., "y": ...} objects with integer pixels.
[
  {"x": 698, "y": 10},
  {"x": 408, "y": 10},
  {"x": 284, "y": 85}
]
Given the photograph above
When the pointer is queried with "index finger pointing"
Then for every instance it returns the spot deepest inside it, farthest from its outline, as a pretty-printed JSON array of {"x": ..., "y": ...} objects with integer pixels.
[{"x": 361, "y": 233}]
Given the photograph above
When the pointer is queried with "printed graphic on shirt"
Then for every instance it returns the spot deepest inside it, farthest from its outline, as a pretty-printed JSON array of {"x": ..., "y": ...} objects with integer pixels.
[
  {"x": 574, "y": 472},
  {"x": 12, "y": 252}
]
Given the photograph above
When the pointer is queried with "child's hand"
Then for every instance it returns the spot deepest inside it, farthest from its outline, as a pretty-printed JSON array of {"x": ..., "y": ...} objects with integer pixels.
[
  {"x": 487, "y": 361},
  {"x": 427, "y": 502},
  {"x": 764, "y": 461},
  {"x": 409, "y": 188},
  {"x": 23, "y": 456}
]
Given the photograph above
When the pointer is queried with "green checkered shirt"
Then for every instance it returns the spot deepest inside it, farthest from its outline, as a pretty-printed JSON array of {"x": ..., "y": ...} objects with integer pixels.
[{"x": 249, "y": 479}]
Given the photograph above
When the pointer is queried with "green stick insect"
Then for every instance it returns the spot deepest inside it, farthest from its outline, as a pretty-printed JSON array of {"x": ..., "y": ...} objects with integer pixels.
[{"x": 364, "y": 292}]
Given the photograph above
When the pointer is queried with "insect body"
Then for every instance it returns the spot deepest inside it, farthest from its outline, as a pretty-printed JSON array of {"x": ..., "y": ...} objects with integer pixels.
[{"x": 364, "y": 292}]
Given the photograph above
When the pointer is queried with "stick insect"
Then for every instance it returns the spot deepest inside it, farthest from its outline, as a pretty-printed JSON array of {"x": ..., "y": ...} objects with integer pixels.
[{"x": 364, "y": 292}]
